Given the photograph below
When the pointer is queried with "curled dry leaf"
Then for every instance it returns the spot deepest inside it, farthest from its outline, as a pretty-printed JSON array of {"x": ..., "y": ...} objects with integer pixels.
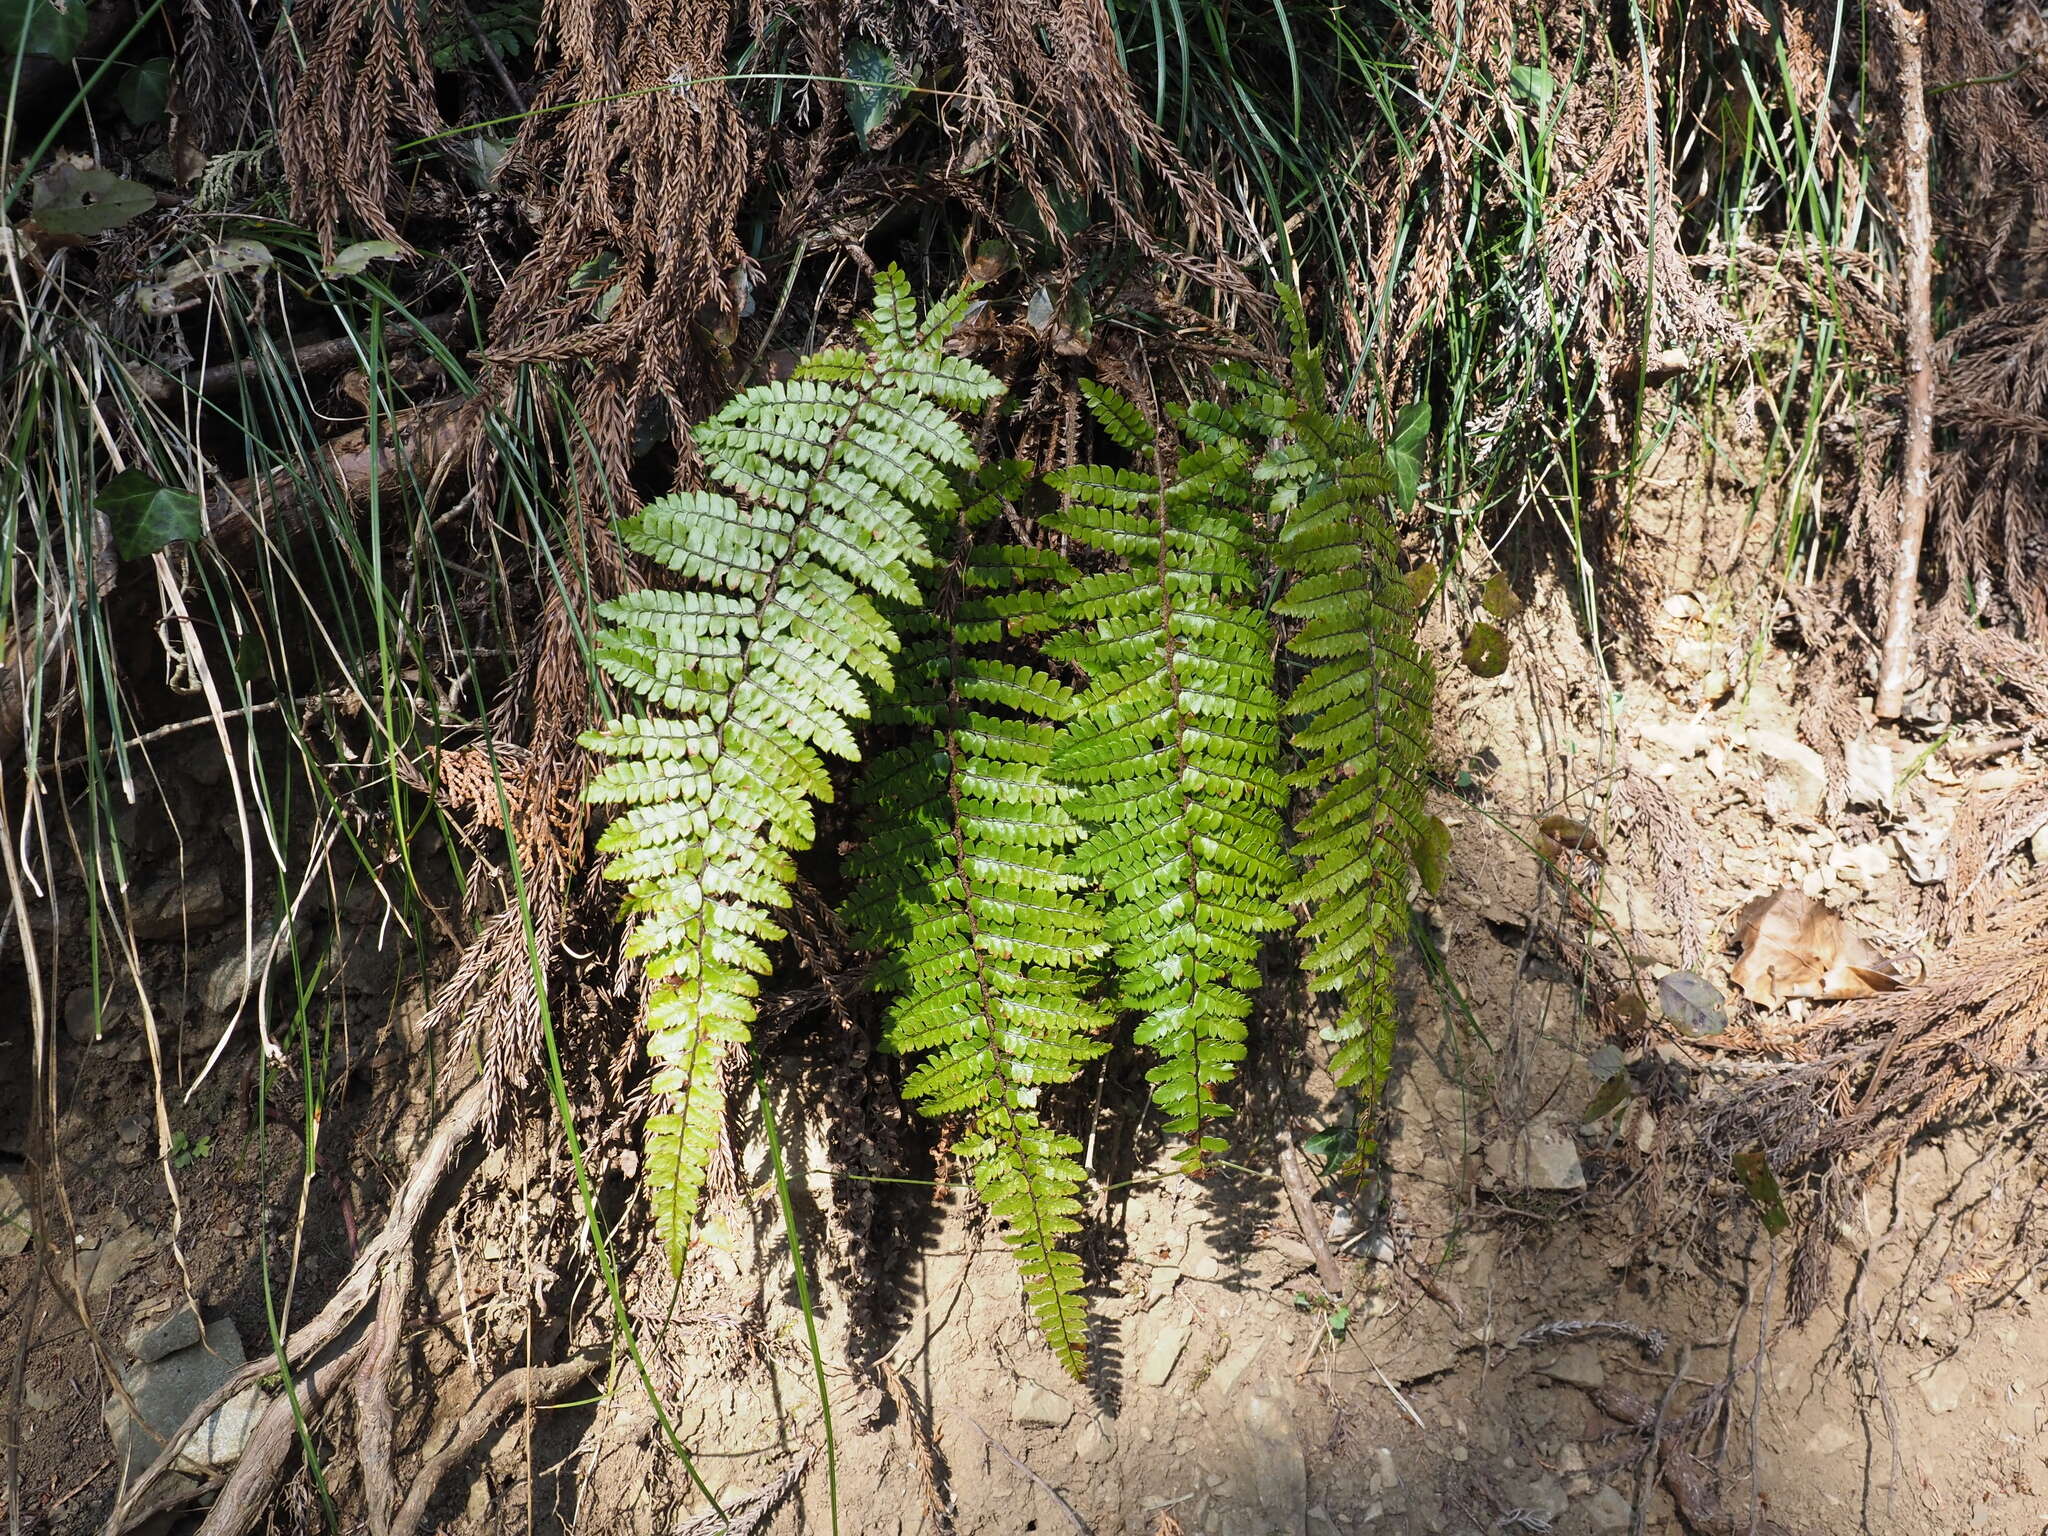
[{"x": 1793, "y": 946}]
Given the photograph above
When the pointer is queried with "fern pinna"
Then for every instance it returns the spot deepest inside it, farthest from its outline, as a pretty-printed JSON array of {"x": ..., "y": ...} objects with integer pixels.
[
  {"x": 751, "y": 671},
  {"x": 1361, "y": 712},
  {"x": 1174, "y": 746},
  {"x": 963, "y": 887}
]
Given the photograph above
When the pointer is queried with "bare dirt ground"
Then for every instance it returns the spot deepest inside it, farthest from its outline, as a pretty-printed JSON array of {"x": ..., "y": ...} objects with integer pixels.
[{"x": 1524, "y": 1302}]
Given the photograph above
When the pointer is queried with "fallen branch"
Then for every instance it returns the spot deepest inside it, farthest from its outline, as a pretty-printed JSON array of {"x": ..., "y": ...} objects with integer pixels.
[
  {"x": 1896, "y": 659},
  {"x": 1301, "y": 1197},
  {"x": 313, "y": 357},
  {"x": 423, "y": 445}
]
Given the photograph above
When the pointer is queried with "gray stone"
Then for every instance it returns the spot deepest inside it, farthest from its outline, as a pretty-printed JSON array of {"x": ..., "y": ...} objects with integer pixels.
[
  {"x": 168, "y": 1389},
  {"x": 1795, "y": 778},
  {"x": 1542, "y": 1493},
  {"x": 1221, "y": 1387},
  {"x": 1831, "y": 1439},
  {"x": 217, "y": 1444},
  {"x": 1545, "y": 1156},
  {"x": 1945, "y": 1387},
  {"x": 116, "y": 1256},
  {"x": 43, "y": 1394},
  {"x": 174, "y": 906},
  {"x": 1871, "y": 772},
  {"x": 1578, "y": 1366},
  {"x": 237, "y": 974},
  {"x": 87, "y": 1018},
  {"x": 1609, "y": 1510},
  {"x": 1163, "y": 1355},
  {"x": 1384, "y": 1478},
  {"x": 15, "y": 1220},
  {"x": 180, "y": 1330},
  {"x": 1036, "y": 1407},
  {"x": 1095, "y": 1444},
  {"x": 1275, "y": 1465}
]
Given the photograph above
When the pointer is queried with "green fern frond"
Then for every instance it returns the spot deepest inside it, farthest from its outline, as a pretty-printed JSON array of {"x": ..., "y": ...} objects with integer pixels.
[
  {"x": 1173, "y": 751},
  {"x": 963, "y": 885},
  {"x": 753, "y": 673},
  {"x": 1362, "y": 713}
]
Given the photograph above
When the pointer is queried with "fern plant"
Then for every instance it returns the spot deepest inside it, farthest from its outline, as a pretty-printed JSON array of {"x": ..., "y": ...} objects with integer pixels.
[
  {"x": 750, "y": 674},
  {"x": 1361, "y": 711},
  {"x": 988, "y": 938},
  {"x": 1174, "y": 746},
  {"x": 1036, "y": 855}
]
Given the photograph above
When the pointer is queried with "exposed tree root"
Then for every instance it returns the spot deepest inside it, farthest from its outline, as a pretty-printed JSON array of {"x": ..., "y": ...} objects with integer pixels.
[
  {"x": 252, "y": 1484},
  {"x": 528, "y": 1385},
  {"x": 1689, "y": 1480}
]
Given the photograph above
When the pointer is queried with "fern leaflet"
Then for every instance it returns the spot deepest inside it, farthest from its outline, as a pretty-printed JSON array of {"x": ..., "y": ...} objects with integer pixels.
[
  {"x": 963, "y": 886},
  {"x": 1362, "y": 713},
  {"x": 753, "y": 673},
  {"x": 1174, "y": 748}
]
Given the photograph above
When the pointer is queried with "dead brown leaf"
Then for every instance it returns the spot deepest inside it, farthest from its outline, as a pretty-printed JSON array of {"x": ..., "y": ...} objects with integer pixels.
[{"x": 1794, "y": 946}]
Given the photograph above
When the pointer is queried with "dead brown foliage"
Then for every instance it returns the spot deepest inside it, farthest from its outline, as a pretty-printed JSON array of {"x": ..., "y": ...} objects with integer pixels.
[
  {"x": 352, "y": 72},
  {"x": 1878, "y": 1072}
]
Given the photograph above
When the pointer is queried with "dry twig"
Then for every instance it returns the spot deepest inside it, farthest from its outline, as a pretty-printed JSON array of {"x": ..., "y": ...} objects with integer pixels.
[{"x": 1897, "y": 658}]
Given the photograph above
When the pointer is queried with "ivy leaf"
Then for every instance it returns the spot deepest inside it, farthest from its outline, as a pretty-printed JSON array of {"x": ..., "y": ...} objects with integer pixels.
[
  {"x": 873, "y": 87},
  {"x": 145, "y": 91},
  {"x": 1421, "y": 584},
  {"x": 1486, "y": 651},
  {"x": 1614, "y": 1092},
  {"x": 1692, "y": 1004},
  {"x": 1498, "y": 598},
  {"x": 1754, "y": 1170},
  {"x": 1332, "y": 1145},
  {"x": 144, "y": 516},
  {"x": 53, "y": 29},
  {"x": 354, "y": 260},
  {"x": 1404, "y": 452},
  {"x": 79, "y": 202}
]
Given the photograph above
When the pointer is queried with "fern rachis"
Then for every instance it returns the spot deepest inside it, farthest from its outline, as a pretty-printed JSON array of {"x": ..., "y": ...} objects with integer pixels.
[{"x": 1361, "y": 714}]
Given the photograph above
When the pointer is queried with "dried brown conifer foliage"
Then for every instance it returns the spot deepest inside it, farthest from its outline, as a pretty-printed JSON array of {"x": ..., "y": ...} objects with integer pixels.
[
  {"x": 638, "y": 158},
  {"x": 1986, "y": 558},
  {"x": 353, "y": 72}
]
